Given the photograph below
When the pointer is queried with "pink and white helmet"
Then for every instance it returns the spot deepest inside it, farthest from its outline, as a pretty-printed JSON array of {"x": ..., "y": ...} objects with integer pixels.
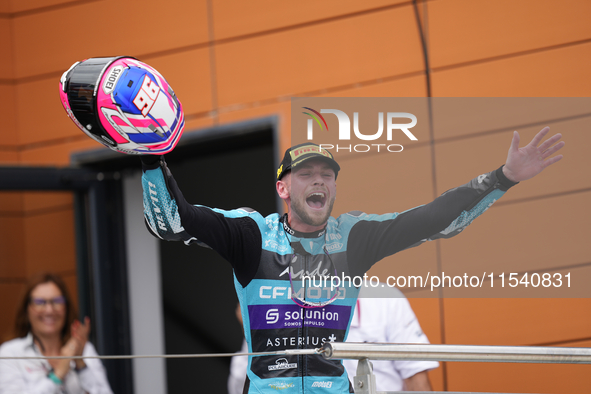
[{"x": 124, "y": 104}]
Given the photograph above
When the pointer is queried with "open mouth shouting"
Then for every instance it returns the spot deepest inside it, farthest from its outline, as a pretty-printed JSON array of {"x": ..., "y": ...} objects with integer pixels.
[{"x": 316, "y": 200}]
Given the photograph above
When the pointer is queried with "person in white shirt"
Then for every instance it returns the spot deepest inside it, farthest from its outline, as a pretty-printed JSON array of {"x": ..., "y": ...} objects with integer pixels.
[
  {"x": 46, "y": 325},
  {"x": 388, "y": 319}
]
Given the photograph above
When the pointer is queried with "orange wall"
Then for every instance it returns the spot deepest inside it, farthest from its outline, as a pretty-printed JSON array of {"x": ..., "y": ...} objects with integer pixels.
[{"x": 234, "y": 60}]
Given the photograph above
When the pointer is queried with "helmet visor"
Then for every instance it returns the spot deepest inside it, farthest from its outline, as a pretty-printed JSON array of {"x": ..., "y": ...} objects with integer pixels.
[{"x": 81, "y": 87}]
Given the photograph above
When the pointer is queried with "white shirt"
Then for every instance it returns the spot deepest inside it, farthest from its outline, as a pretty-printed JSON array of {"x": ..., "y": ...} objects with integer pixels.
[
  {"x": 387, "y": 320},
  {"x": 238, "y": 366},
  {"x": 30, "y": 376},
  {"x": 382, "y": 320}
]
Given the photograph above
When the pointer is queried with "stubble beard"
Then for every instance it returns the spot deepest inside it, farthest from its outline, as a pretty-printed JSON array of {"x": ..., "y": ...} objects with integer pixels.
[{"x": 299, "y": 209}]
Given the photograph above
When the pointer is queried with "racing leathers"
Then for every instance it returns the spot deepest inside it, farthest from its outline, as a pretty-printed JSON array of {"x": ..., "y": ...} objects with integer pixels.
[{"x": 270, "y": 261}]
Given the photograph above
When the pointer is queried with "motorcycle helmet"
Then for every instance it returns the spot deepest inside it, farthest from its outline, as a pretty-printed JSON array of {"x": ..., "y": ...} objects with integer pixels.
[{"x": 124, "y": 104}]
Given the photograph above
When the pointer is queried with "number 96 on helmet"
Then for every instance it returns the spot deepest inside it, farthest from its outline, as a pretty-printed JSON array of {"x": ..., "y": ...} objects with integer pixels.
[{"x": 124, "y": 104}]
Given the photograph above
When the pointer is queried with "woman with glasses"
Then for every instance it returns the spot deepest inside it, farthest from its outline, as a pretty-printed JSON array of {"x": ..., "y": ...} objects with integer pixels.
[{"x": 46, "y": 325}]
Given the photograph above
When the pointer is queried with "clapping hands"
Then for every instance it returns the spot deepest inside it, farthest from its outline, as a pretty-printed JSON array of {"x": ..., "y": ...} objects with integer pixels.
[{"x": 74, "y": 347}]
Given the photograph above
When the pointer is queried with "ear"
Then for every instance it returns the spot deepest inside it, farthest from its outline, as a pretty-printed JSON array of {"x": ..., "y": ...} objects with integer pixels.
[{"x": 282, "y": 190}]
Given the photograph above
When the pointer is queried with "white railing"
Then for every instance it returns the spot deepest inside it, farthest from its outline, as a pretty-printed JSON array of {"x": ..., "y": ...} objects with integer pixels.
[{"x": 364, "y": 382}]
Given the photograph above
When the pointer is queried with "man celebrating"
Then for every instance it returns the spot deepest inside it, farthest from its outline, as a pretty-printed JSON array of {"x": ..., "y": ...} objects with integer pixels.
[
  {"x": 272, "y": 255},
  {"x": 129, "y": 107}
]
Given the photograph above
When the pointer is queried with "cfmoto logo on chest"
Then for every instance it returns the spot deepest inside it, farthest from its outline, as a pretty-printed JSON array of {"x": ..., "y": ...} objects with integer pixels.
[{"x": 396, "y": 122}]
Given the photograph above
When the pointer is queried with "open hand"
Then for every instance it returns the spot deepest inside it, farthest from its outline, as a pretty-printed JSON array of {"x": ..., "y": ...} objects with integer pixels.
[{"x": 527, "y": 162}]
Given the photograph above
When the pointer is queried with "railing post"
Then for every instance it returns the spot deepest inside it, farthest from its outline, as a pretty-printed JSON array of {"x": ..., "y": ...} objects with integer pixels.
[{"x": 364, "y": 381}]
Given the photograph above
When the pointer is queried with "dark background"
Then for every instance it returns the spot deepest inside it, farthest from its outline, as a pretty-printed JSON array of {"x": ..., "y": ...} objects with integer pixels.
[{"x": 199, "y": 298}]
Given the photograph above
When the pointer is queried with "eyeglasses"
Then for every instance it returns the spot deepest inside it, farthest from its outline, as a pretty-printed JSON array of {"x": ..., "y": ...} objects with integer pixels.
[{"x": 57, "y": 303}]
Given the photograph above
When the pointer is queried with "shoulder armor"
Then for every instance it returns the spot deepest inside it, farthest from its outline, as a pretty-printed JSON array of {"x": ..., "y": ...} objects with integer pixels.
[{"x": 355, "y": 214}]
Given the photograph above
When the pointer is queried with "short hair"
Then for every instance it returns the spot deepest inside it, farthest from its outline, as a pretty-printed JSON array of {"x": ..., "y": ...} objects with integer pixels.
[{"x": 22, "y": 325}]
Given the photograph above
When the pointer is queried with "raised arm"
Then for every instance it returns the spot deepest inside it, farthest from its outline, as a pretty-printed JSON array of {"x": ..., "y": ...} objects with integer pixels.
[
  {"x": 377, "y": 236},
  {"x": 233, "y": 234},
  {"x": 374, "y": 237}
]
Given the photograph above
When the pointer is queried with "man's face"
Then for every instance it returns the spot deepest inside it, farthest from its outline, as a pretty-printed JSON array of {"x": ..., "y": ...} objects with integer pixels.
[{"x": 313, "y": 191}]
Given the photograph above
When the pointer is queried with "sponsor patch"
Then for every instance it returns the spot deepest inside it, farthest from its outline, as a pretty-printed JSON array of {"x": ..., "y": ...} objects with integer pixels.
[
  {"x": 281, "y": 386},
  {"x": 282, "y": 364},
  {"x": 325, "y": 385},
  {"x": 281, "y": 316}
]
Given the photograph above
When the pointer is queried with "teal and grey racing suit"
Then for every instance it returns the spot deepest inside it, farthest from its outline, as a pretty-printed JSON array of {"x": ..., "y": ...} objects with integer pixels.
[{"x": 268, "y": 258}]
